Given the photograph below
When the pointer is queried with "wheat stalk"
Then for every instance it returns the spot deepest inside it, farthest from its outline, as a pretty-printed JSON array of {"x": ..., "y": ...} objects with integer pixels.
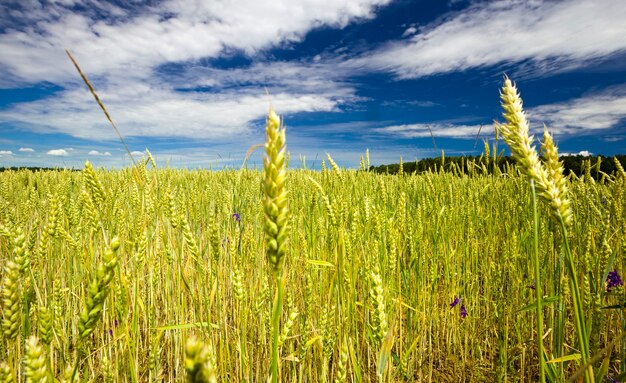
[{"x": 276, "y": 225}]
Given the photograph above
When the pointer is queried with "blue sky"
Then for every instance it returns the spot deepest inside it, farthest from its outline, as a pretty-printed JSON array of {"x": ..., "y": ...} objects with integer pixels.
[{"x": 192, "y": 80}]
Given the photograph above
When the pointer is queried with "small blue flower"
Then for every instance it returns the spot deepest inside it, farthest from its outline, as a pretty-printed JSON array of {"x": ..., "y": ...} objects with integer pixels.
[
  {"x": 455, "y": 302},
  {"x": 613, "y": 280},
  {"x": 463, "y": 311},
  {"x": 236, "y": 217}
]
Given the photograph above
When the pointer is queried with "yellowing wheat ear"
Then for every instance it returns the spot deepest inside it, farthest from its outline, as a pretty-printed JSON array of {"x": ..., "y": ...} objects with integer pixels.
[
  {"x": 560, "y": 202},
  {"x": 550, "y": 182}
]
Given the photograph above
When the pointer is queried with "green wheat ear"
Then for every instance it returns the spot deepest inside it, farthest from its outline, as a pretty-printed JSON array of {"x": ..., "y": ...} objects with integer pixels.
[
  {"x": 93, "y": 184},
  {"x": 200, "y": 362},
  {"x": 35, "y": 362},
  {"x": 275, "y": 202},
  {"x": 6, "y": 374},
  {"x": 98, "y": 291},
  {"x": 11, "y": 300}
]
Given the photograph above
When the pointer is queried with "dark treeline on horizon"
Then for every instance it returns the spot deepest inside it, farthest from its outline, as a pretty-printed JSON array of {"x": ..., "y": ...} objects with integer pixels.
[
  {"x": 598, "y": 165},
  {"x": 36, "y": 168}
]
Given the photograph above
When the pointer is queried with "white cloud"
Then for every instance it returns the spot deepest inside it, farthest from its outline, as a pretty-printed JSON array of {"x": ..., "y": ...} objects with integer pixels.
[
  {"x": 6, "y": 153},
  {"x": 137, "y": 153},
  {"x": 547, "y": 35},
  {"x": 27, "y": 150},
  {"x": 97, "y": 153},
  {"x": 437, "y": 129},
  {"x": 159, "y": 113},
  {"x": 174, "y": 31},
  {"x": 584, "y": 153},
  {"x": 123, "y": 58},
  {"x": 409, "y": 31},
  {"x": 589, "y": 113},
  {"x": 58, "y": 153}
]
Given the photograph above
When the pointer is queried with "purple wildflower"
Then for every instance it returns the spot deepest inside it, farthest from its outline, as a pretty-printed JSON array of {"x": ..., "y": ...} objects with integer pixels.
[
  {"x": 455, "y": 302},
  {"x": 532, "y": 286},
  {"x": 116, "y": 323},
  {"x": 463, "y": 311},
  {"x": 525, "y": 275},
  {"x": 236, "y": 217},
  {"x": 613, "y": 280},
  {"x": 611, "y": 379},
  {"x": 111, "y": 332}
]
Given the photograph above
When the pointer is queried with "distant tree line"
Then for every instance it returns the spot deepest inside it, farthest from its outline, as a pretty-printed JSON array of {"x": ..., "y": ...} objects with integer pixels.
[
  {"x": 35, "y": 168},
  {"x": 597, "y": 166}
]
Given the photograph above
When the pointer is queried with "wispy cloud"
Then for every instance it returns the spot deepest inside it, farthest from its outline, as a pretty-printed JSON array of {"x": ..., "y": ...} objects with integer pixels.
[
  {"x": 158, "y": 113},
  {"x": 584, "y": 115},
  {"x": 27, "y": 150},
  {"x": 437, "y": 130},
  {"x": 58, "y": 153},
  {"x": 131, "y": 41},
  {"x": 125, "y": 54},
  {"x": 548, "y": 36}
]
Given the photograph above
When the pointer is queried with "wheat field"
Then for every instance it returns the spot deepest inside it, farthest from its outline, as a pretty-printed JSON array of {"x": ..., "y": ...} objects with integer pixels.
[{"x": 149, "y": 274}]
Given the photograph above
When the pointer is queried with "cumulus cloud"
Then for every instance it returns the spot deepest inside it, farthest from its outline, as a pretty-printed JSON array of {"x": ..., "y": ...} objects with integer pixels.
[
  {"x": 548, "y": 35},
  {"x": 27, "y": 150},
  {"x": 58, "y": 153},
  {"x": 6, "y": 153},
  {"x": 584, "y": 153},
  {"x": 97, "y": 153}
]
